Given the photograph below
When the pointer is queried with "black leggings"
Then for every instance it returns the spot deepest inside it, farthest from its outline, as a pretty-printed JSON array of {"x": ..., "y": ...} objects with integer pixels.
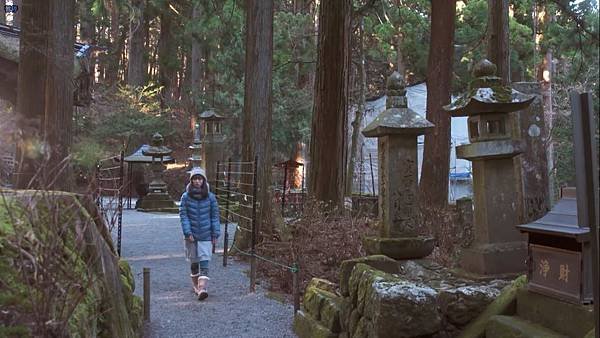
[{"x": 201, "y": 267}]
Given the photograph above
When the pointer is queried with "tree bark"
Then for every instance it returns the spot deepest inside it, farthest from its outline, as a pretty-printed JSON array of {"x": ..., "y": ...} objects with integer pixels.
[
  {"x": 136, "y": 69},
  {"x": 498, "y": 43},
  {"x": 360, "y": 111},
  {"x": 114, "y": 54},
  {"x": 59, "y": 94},
  {"x": 196, "y": 60},
  {"x": 3, "y": 16},
  {"x": 31, "y": 89},
  {"x": 436, "y": 155},
  {"x": 328, "y": 137},
  {"x": 258, "y": 97},
  {"x": 45, "y": 94},
  {"x": 166, "y": 54},
  {"x": 17, "y": 16}
]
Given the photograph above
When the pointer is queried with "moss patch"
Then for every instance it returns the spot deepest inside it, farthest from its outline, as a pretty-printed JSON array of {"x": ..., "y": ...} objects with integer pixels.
[{"x": 505, "y": 304}]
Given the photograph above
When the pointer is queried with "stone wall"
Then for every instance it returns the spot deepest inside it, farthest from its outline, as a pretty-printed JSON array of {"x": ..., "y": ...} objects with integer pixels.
[{"x": 379, "y": 297}]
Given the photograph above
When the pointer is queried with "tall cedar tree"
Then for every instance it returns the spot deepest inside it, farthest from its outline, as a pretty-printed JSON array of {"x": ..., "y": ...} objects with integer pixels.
[
  {"x": 436, "y": 155},
  {"x": 328, "y": 137},
  {"x": 498, "y": 47},
  {"x": 136, "y": 69},
  {"x": 258, "y": 101},
  {"x": 45, "y": 93}
]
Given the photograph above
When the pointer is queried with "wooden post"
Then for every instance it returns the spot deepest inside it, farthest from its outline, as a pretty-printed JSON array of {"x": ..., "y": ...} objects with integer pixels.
[
  {"x": 586, "y": 171},
  {"x": 226, "y": 237},
  {"x": 285, "y": 168},
  {"x": 146, "y": 294},
  {"x": 296, "y": 287},
  {"x": 253, "y": 244}
]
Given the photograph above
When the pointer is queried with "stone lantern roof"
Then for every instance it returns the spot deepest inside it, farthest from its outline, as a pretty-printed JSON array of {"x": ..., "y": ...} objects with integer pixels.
[
  {"x": 211, "y": 115},
  {"x": 486, "y": 94},
  {"x": 157, "y": 149},
  {"x": 397, "y": 118}
]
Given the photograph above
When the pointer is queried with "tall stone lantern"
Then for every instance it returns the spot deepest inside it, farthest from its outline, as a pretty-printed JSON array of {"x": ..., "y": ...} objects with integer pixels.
[
  {"x": 214, "y": 142},
  {"x": 158, "y": 198},
  {"x": 498, "y": 247},
  {"x": 196, "y": 148},
  {"x": 397, "y": 129}
]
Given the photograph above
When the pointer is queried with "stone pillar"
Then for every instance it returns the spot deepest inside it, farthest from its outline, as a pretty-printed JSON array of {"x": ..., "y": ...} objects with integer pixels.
[
  {"x": 397, "y": 129},
  {"x": 398, "y": 187}
]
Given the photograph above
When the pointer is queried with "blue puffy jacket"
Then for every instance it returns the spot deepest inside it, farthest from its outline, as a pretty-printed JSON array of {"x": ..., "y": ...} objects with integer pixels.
[{"x": 200, "y": 217}]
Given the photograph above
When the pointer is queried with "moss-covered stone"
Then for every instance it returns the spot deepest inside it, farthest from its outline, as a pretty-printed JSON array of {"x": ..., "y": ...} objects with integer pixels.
[
  {"x": 573, "y": 320},
  {"x": 399, "y": 248},
  {"x": 307, "y": 327},
  {"x": 353, "y": 322},
  {"x": 345, "y": 311},
  {"x": 391, "y": 306},
  {"x": 463, "y": 304},
  {"x": 97, "y": 287},
  {"x": 591, "y": 334},
  {"x": 314, "y": 298},
  {"x": 322, "y": 284},
  {"x": 379, "y": 262},
  {"x": 514, "y": 327},
  {"x": 504, "y": 304},
  {"x": 330, "y": 314}
]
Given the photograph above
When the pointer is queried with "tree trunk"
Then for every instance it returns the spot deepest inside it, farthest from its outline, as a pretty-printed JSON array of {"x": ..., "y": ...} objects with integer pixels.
[
  {"x": 59, "y": 94},
  {"x": 328, "y": 137},
  {"x": 166, "y": 54},
  {"x": 136, "y": 69},
  {"x": 45, "y": 94},
  {"x": 17, "y": 16},
  {"x": 436, "y": 155},
  {"x": 498, "y": 44},
  {"x": 114, "y": 54},
  {"x": 86, "y": 21},
  {"x": 258, "y": 97},
  {"x": 360, "y": 111},
  {"x": 3, "y": 16},
  {"x": 196, "y": 60},
  {"x": 31, "y": 89}
]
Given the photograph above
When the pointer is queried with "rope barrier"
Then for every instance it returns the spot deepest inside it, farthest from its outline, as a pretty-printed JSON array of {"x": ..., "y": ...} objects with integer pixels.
[
  {"x": 234, "y": 192},
  {"x": 235, "y": 183},
  {"x": 292, "y": 269}
]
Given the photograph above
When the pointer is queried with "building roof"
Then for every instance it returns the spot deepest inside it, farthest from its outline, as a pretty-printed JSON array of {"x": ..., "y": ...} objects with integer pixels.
[{"x": 138, "y": 156}]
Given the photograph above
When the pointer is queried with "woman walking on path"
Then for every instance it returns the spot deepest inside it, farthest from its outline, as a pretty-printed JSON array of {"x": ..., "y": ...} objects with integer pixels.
[{"x": 199, "y": 213}]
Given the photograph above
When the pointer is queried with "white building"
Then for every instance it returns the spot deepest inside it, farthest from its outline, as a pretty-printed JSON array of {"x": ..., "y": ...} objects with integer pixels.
[{"x": 460, "y": 177}]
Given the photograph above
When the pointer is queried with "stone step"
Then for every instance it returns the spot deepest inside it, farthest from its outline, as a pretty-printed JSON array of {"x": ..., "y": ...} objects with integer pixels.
[
  {"x": 572, "y": 320},
  {"x": 501, "y": 326}
]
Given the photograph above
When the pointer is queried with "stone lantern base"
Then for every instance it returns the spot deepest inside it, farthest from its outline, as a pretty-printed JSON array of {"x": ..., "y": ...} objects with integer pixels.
[
  {"x": 399, "y": 247},
  {"x": 495, "y": 258},
  {"x": 158, "y": 201}
]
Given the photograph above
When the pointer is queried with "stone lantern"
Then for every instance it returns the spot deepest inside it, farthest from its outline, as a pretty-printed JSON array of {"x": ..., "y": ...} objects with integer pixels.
[
  {"x": 196, "y": 148},
  {"x": 214, "y": 141},
  {"x": 498, "y": 248},
  {"x": 397, "y": 129},
  {"x": 158, "y": 198}
]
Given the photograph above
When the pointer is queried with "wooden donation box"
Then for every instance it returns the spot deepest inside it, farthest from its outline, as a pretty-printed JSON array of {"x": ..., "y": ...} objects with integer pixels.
[{"x": 560, "y": 261}]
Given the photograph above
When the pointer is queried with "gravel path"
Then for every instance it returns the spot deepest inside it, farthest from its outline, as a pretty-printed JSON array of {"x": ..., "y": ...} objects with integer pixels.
[{"x": 154, "y": 240}]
